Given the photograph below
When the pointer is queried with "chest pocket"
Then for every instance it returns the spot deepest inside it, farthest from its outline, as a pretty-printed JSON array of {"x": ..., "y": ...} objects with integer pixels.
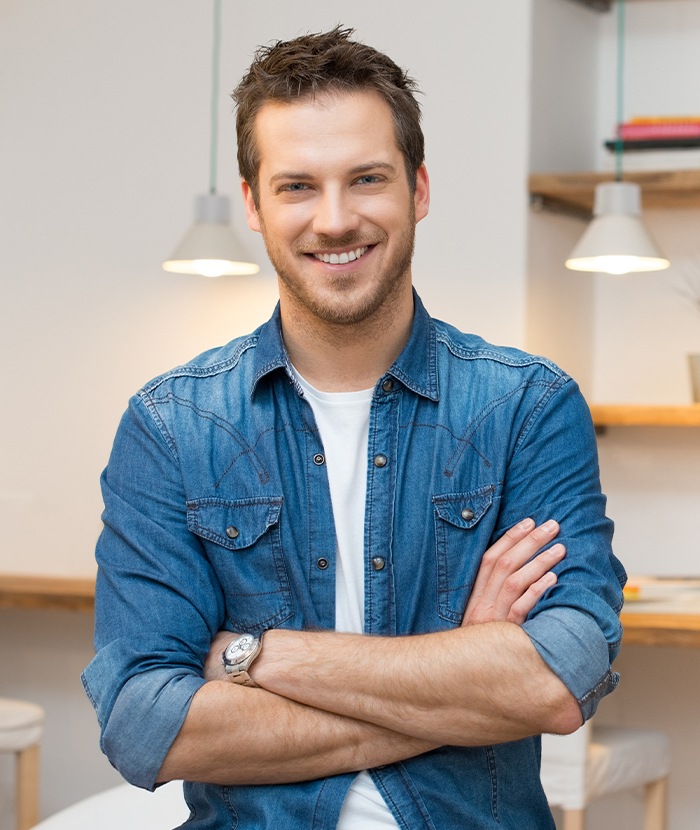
[
  {"x": 243, "y": 543},
  {"x": 462, "y": 533}
]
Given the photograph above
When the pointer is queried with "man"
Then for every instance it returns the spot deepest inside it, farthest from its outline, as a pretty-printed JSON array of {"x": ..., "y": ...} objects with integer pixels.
[{"x": 324, "y": 518}]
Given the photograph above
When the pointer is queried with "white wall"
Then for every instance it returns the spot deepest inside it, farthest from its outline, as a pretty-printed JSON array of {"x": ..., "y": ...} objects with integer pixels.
[
  {"x": 105, "y": 113},
  {"x": 560, "y": 303}
]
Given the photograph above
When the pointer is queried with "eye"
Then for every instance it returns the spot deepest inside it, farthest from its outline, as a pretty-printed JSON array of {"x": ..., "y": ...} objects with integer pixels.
[
  {"x": 369, "y": 178},
  {"x": 294, "y": 187}
]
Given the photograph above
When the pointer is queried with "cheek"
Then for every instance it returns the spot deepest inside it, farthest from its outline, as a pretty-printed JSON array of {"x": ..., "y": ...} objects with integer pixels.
[
  {"x": 387, "y": 212},
  {"x": 286, "y": 226}
]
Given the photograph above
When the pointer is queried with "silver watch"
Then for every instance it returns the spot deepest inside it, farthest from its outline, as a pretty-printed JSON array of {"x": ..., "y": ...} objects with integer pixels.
[{"x": 238, "y": 656}]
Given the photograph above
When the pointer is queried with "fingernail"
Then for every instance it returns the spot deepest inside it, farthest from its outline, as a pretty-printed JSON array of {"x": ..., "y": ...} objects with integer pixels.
[
  {"x": 550, "y": 526},
  {"x": 526, "y": 524}
]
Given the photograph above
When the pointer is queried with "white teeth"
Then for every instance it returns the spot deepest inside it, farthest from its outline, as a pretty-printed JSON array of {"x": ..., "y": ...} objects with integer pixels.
[{"x": 341, "y": 259}]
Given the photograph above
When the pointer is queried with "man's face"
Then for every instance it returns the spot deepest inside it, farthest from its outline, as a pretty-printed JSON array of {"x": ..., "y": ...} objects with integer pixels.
[{"x": 335, "y": 208}]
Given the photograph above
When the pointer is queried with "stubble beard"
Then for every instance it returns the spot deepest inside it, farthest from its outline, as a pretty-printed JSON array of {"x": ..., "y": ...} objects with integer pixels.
[{"x": 344, "y": 309}]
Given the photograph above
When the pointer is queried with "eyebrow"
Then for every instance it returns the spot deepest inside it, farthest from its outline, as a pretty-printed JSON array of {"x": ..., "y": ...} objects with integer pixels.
[{"x": 291, "y": 175}]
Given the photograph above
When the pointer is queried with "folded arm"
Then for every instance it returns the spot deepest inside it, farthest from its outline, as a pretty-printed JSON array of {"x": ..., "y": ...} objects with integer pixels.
[
  {"x": 480, "y": 684},
  {"x": 332, "y": 703},
  {"x": 240, "y": 735}
]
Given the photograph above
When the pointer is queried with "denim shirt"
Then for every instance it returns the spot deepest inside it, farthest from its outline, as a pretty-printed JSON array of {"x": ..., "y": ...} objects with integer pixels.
[{"x": 218, "y": 515}]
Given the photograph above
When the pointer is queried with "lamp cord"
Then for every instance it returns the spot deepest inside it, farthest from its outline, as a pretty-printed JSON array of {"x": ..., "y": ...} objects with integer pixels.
[
  {"x": 620, "y": 86},
  {"x": 216, "y": 51}
]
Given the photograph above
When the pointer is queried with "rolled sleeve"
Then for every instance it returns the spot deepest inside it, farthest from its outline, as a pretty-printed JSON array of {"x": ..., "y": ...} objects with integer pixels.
[
  {"x": 554, "y": 475},
  {"x": 139, "y": 724},
  {"x": 157, "y": 606},
  {"x": 573, "y": 646}
]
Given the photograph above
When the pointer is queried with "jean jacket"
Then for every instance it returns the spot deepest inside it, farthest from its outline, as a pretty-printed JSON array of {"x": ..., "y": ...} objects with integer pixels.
[{"x": 218, "y": 515}]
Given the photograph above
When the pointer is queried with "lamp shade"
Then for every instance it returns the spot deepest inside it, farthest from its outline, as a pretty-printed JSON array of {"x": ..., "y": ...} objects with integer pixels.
[
  {"x": 616, "y": 241},
  {"x": 210, "y": 247}
]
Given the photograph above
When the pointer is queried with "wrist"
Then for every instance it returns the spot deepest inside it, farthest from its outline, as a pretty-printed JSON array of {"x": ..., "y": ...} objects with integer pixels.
[{"x": 279, "y": 654}]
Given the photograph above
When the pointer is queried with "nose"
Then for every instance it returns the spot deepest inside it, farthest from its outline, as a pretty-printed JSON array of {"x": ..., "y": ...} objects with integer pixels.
[{"x": 335, "y": 214}]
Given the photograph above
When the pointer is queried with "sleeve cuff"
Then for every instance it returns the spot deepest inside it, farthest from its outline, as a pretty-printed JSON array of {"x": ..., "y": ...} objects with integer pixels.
[
  {"x": 575, "y": 649},
  {"x": 140, "y": 725}
]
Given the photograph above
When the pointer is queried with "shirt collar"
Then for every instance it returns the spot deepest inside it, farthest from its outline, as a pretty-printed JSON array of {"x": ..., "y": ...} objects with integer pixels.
[{"x": 415, "y": 367}]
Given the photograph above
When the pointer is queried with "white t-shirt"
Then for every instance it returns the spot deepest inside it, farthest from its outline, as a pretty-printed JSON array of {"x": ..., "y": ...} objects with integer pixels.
[{"x": 343, "y": 423}]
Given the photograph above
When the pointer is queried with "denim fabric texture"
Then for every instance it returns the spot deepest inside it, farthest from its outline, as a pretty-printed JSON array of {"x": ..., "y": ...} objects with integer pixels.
[{"x": 218, "y": 515}]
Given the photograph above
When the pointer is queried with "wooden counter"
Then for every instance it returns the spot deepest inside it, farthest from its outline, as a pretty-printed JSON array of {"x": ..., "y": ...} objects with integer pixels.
[
  {"x": 644, "y": 623},
  {"x": 661, "y": 611},
  {"x": 47, "y": 592},
  {"x": 655, "y": 628}
]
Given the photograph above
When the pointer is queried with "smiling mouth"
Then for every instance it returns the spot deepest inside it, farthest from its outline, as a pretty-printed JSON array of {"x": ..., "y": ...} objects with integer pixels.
[{"x": 342, "y": 258}]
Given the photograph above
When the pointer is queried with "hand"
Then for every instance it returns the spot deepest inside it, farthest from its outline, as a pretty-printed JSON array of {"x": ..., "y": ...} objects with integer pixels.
[
  {"x": 510, "y": 581},
  {"x": 213, "y": 665}
]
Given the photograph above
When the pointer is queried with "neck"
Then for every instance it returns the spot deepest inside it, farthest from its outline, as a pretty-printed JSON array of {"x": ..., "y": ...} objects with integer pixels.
[{"x": 335, "y": 357}]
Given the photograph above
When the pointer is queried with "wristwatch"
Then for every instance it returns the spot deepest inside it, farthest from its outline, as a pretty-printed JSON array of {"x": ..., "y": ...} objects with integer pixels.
[{"x": 238, "y": 656}]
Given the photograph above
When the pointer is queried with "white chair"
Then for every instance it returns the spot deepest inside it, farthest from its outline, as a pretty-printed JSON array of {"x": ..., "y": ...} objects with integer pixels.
[
  {"x": 124, "y": 806},
  {"x": 21, "y": 727},
  {"x": 601, "y": 760}
]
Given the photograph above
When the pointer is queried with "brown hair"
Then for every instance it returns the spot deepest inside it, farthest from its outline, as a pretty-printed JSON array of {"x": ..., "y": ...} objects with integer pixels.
[{"x": 327, "y": 62}]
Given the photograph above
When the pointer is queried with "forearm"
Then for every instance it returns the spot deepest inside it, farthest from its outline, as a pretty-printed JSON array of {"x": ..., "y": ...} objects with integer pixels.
[
  {"x": 476, "y": 685},
  {"x": 239, "y": 735}
]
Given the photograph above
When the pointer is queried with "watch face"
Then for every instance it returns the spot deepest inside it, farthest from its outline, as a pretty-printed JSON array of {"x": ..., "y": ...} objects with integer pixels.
[{"x": 240, "y": 648}]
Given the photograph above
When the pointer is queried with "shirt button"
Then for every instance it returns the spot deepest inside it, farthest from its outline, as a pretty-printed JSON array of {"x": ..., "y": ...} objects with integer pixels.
[
  {"x": 378, "y": 563},
  {"x": 380, "y": 461},
  {"x": 322, "y": 563},
  {"x": 232, "y": 532},
  {"x": 467, "y": 514},
  {"x": 388, "y": 385},
  {"x": 319, "y": 459}
]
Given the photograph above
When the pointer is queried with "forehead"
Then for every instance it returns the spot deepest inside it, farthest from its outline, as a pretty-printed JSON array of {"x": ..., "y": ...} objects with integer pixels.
[{"x": 327, "y": 130}]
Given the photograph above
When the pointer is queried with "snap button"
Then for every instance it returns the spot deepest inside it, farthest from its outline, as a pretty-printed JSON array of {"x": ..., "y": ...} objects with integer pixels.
[
  {"x": 380, "y": 461},
  {"x": 467, "y": 514},
  {"x": 319, "y": 459},
  {"x": 388, "y": 385},
  {"x": 232, "y": 532},
  {"x": 322, "y": 563},
  {"x": 378, "y": 563}
]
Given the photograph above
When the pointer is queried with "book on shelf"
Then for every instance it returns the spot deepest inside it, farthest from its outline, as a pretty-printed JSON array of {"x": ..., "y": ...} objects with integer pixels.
[
  {"x": 668, "y": 130},
  {"x": 656, "y": 142},
  {"x": 664, "y": 119}
]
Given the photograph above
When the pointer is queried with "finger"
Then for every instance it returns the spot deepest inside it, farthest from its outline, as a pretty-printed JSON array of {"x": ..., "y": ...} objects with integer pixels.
[
  {"x": 510, "y": 538},
  {"x": 519, "y": 584},
  {"x": 522, "y": 607},
  {"x": 516, "y": 586},
  {"x": 516, "y": 547}
]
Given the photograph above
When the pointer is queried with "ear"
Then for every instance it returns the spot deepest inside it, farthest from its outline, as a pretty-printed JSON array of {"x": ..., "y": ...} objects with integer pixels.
[
  {"x": 421, "y": 198},
  {"x": 250, "y": 208}
]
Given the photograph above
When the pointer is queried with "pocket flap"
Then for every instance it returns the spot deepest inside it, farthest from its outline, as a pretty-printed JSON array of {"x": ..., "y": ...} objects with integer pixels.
[
  {"x": 464, "y": 509},
  {"x": 233, "y": 524}
]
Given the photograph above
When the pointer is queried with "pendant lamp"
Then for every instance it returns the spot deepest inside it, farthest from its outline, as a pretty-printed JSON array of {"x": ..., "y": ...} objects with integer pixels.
[
  {"x": 210, "y": 247},
  {"x": 617, "y": 241}
]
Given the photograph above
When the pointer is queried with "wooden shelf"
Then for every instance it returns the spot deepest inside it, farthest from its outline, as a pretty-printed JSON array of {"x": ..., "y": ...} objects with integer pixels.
[
  {"x": 574, "y": 192},
  {"x": 654, "y": 629},
  {"x": 47, "y": 592},
  {"x": 645, "y": 416}
]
